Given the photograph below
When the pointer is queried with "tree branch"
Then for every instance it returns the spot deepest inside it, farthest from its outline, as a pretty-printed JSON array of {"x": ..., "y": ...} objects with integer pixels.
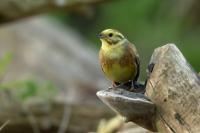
[{"x": 11, "y": 10}]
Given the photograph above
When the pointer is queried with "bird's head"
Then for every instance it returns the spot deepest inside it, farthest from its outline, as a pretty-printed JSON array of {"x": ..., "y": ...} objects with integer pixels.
[{"x": 111, "y": 37}]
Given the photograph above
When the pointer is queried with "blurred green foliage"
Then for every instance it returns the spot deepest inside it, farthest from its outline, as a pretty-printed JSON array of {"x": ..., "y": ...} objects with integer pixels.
[
  {"x": 26, "y": 89},
  {"x": 4, "y": 63},
  {"x": 148, "y": 24}
]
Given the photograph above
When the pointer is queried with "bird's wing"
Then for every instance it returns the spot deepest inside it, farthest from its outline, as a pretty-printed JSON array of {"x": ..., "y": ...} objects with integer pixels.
[{"x": 137, "y": 60}]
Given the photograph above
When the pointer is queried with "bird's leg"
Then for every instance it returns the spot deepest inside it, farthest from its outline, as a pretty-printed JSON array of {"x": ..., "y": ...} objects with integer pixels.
[
  {"x": 137, "y": 87},
  {"x": 134, "y": 84},
  {"x": 140, "y": 88},
  {"x": 126, "y": 85}
]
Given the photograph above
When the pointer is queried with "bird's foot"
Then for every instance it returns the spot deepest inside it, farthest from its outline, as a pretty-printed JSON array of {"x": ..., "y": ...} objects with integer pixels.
[
  {"x": 132, "y": 86},
  {"x": 114, "y": 85},
  {"x": 137, "y": 87},
  {"x": 126, "y": 85}
]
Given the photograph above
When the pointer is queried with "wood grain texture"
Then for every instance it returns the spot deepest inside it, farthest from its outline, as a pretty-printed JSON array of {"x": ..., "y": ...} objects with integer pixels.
[{"x": 174, "y": 88}]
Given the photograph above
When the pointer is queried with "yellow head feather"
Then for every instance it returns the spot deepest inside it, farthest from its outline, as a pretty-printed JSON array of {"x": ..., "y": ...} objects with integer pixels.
[
  {"x": 113, "y": 42},
  {"x": 111, "y": 36}
]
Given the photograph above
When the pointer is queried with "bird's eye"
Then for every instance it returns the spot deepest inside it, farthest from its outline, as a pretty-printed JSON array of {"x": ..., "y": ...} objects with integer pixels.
[{"x": 110, "y": 34}]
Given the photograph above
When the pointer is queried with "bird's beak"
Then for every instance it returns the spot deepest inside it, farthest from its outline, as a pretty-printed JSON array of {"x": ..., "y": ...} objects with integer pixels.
[{"x": 101, "y": 36}]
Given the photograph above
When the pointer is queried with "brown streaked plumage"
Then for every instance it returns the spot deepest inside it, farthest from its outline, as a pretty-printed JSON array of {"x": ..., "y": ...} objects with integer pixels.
[
  {"x": 129, "y": 59},
  {"x": 118, "y": 57}
]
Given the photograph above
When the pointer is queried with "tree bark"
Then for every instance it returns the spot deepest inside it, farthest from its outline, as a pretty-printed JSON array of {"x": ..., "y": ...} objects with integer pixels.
[
  {"x": 173, "y": 87},
  {"x": 11, "y": 10}
]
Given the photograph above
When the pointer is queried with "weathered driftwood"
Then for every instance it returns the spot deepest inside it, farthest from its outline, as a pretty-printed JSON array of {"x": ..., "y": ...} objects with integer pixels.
[
  {"x": 123, "y": 101},
  {"x": 174, "y": 90}
]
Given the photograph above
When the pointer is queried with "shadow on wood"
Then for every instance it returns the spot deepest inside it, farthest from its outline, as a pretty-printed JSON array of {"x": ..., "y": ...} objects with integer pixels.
[
  {"x": 171, "y": 102},
  {"x": 134, "y": 107}
]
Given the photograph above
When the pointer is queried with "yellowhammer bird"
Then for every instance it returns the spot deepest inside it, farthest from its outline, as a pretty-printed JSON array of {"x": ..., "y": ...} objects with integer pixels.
[{"x": 119, "y": 58}]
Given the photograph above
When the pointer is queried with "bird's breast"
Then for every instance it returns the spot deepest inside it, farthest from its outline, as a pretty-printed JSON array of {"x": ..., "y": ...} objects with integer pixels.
[
  {"x": 119, "y": 73},
  {"x": 118, "y": 66}
]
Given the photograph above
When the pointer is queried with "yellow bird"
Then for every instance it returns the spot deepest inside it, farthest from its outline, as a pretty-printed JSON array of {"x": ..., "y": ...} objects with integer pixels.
[{"x": 119, "y": 58}]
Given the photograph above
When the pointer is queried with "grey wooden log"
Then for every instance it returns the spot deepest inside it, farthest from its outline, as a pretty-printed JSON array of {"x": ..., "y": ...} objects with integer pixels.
[
  {"x": 134, "y": 107},
  {"x": 173, "y": 88}
]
